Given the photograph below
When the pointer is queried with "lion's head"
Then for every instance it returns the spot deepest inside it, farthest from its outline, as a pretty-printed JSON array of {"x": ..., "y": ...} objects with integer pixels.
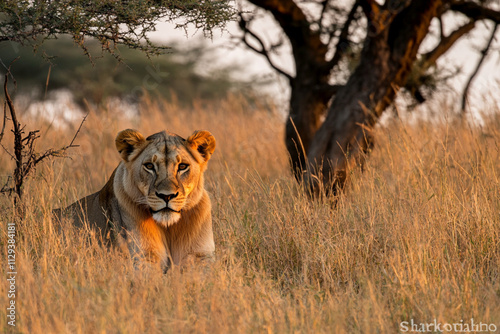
[{"x": 164, "y": 172}]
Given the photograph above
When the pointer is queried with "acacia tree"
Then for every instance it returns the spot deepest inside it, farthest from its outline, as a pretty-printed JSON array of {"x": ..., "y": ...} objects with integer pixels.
[
  {"x": 330, "y": 117},
  {"x": 111, "y": 22}
]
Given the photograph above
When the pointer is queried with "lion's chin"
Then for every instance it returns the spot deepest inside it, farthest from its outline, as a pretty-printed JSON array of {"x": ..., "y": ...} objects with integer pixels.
[{"x": 166, "y": 218}]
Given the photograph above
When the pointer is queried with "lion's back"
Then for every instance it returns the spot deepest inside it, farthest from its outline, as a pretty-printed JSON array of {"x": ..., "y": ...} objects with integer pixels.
[{"x": 86, "y": 213}]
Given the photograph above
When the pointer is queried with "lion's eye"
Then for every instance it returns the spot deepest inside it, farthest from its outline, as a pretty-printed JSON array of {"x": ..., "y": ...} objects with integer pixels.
[
  {"x": 183, "y": 166},
  {"x": 149, "y": 166}
]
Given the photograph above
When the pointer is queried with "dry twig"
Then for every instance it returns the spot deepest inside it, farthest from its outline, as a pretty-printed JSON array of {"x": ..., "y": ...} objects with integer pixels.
[
  {"x": 25, "y": 154},
  {"x": 484, "y": 54}
]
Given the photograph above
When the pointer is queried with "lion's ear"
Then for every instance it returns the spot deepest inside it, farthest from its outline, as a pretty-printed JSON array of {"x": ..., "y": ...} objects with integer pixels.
[
  {"x": 127, "y": 142},
  {"x": 203, "y": 142}
]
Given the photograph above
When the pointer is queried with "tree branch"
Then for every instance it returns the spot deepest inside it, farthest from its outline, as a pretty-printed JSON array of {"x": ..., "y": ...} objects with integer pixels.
[
  {"x": 6, "y": 188},
  {"x": 343, "y": 42},
  {"x": 371, "y": 9},
  {"x": 18, "y": 144},
  {"x": 411, "y": 23},
  {"x": 294, "y": 23},
  {"x": 441, "y": 27},
  {"x": 380, "y": 17},
  {"x": 484, "y": 54},
  {"x": 263, "y": 51},
  {"x": 476, "y": 11},
  {"x": 430, "y": 58},
  {"x": 60, "y": 152},
  {"x": 4, "y": 120}
]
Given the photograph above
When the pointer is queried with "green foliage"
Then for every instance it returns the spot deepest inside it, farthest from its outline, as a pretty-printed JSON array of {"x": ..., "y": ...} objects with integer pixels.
[
  {"x": 111, "y": 22},
  {"x": 172, "y": 74}
]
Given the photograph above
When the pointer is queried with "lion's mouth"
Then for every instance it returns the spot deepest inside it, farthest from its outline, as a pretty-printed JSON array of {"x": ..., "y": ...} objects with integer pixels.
[{"x": 166, "y": 209}]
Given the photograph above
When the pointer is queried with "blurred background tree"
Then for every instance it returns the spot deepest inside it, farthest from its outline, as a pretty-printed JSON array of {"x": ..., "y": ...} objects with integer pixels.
[{"x": 60, "y": 64}]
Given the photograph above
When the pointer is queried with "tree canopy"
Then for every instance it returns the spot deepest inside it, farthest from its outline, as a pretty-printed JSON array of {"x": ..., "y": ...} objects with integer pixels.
[{"x": 111, "y": 22}]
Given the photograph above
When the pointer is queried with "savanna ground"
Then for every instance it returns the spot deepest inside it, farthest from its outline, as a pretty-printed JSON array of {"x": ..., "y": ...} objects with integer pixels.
[{"x": 416, "y": 236}]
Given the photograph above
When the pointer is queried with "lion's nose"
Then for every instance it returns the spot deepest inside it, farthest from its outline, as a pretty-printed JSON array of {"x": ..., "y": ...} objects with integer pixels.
[{"x": 168, "y": 197}]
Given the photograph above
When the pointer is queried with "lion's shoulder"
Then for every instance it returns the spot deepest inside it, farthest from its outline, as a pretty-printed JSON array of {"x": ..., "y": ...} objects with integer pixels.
[{"x": 91, "y": 212}]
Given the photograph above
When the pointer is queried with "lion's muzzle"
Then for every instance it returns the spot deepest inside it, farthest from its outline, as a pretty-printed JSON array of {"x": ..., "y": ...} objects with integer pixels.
[{"x": 167, "y": 197}]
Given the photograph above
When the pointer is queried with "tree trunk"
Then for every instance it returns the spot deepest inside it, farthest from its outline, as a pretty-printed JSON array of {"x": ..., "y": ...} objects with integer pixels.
[
  {"x": 310, "y": 91},
  {"x": 386, "y": 59},
  {"x": 307, "y": 109}
]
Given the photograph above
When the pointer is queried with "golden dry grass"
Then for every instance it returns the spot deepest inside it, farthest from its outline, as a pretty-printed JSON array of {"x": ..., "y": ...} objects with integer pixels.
[{"x": 416, "y": 236}]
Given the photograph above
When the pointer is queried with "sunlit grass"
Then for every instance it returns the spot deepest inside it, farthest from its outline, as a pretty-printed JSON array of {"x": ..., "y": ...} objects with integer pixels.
[{"x": 415, "y": 236}]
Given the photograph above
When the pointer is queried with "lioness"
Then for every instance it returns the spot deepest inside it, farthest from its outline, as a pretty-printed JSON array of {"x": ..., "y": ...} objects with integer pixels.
[{"x": 154, "y": 205}]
